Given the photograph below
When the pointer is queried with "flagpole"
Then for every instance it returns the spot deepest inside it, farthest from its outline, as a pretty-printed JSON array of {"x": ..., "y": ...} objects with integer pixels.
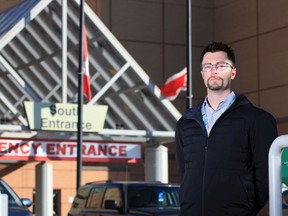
[
  {"x": 80, "y": 98},
  {"x": 189, "y": 94}
]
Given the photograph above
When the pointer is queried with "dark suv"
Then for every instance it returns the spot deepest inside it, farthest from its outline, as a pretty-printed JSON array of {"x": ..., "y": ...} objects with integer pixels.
[{"x": 126, "y": 198}]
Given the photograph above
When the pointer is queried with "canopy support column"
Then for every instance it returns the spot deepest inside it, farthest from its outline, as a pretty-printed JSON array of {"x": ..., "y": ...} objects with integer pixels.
[{"x": 156, "y": 163}]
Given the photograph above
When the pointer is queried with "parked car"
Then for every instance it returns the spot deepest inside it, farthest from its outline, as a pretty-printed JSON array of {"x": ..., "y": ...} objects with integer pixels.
[
  {"x": 16, "y": 206},
  {"x": 126, "y": 198}
]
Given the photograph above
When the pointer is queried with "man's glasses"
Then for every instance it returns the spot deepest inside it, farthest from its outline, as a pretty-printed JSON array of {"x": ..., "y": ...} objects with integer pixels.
[{"x": 220, "y": 66}]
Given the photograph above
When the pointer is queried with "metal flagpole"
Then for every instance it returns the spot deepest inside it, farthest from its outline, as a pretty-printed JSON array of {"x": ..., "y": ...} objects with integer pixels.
[
  {"x": 80, "y": 97},
  {"x": 189, "y": 95},
  {"x": 64, "y": 51}
]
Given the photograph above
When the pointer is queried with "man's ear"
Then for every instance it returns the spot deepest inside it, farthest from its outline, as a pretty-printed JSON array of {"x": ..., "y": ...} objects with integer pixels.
[{"x": 233, "y": 73}]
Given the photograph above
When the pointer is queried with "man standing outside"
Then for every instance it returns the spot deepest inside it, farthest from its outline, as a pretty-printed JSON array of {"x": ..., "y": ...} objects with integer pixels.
[{"x": 222, "y": 145}]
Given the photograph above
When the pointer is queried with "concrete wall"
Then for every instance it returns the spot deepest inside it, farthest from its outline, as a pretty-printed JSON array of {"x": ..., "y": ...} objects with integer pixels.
[
  {"x": 154, "y": 32},
  {"x": 257, "y": 30},
  {"x": 6, "y": 4}
]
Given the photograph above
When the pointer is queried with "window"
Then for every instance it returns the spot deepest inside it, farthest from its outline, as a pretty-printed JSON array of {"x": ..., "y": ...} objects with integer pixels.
[
  {"x": 81, "y": 197},
  {"x": 95, "y": 198},
  {"x": 152, "y": 196},
  {"x": 113, "y": 193}
]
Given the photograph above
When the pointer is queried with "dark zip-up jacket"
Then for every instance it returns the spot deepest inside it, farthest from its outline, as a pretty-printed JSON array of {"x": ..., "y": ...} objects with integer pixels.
[{"x": 225, "y": 173}]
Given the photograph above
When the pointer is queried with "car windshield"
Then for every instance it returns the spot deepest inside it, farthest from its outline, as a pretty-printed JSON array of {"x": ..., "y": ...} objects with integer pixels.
[
  {"x": 152, "y": 196},
  {"x": 13, "y": 199}
]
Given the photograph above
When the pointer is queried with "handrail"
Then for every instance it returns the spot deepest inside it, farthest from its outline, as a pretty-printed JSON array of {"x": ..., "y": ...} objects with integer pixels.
[{"x": 275, "y": 175}]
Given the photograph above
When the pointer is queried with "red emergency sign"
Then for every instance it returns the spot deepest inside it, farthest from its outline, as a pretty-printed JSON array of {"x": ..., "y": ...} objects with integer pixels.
[{"x": 27, "y": 149}]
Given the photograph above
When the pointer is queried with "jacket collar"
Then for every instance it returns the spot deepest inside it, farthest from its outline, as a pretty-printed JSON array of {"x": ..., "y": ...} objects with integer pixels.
[{"x": 195, "y": 112}]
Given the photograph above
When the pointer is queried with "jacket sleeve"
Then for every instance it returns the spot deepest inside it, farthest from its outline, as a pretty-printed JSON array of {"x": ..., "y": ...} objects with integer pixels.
[
  {"x": 179, "y": 149},
  {"x": 264, "y": 133}
]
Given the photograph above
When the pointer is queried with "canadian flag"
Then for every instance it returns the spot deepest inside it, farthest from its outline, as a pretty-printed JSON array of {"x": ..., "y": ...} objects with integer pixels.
[
  {"x": 86, "y": 78},
  {"x": 175, "y": 84}
]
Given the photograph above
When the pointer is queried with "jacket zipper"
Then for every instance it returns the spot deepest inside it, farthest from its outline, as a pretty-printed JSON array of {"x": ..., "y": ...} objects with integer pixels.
[{"x": 204, "y": 174}]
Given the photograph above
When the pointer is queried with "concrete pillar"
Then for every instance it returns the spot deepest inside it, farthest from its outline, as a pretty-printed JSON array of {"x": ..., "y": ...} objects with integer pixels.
[
  {"x": 156, "y": 163},
  {"x": 44, "y": 190},
  {"x": 3, "y": 204}
]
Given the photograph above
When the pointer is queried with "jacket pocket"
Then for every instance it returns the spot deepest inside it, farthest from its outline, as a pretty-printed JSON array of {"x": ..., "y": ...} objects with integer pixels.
[{"x": 248, "y": 188}]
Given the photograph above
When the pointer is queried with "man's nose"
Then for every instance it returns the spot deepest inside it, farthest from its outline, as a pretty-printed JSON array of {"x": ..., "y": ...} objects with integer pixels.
[{"x": 214, "y": 69}]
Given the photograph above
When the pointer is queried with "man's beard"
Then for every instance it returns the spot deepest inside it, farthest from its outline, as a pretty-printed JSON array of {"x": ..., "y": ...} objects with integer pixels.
[{"x": 215, "y": 86}]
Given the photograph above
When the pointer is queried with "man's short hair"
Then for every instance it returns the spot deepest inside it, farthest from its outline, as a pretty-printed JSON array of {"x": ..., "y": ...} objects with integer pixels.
[{"x": 219, "y": 46}]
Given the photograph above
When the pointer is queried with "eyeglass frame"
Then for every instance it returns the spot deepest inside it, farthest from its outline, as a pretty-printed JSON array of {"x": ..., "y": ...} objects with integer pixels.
[{"x": 215, "y": 65}]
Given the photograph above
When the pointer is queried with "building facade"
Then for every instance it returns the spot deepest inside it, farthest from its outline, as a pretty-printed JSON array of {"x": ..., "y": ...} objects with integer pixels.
[{"x": 155, "y": 33}]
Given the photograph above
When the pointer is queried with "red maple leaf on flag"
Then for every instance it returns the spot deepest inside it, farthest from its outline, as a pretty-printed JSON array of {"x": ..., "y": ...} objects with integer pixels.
[{"x": 175, "y": 84}]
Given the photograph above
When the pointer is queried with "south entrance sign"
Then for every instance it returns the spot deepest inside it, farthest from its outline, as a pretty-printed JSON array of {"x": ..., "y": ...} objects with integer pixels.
[{"x": 64, "y": 117}]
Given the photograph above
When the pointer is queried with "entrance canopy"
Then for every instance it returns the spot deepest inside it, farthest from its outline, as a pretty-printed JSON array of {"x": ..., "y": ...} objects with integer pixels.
[{"x": 39, "y": 42}]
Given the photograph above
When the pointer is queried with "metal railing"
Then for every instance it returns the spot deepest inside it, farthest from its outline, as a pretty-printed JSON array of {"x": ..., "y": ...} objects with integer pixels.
[{"x": 275, "y": 175}]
